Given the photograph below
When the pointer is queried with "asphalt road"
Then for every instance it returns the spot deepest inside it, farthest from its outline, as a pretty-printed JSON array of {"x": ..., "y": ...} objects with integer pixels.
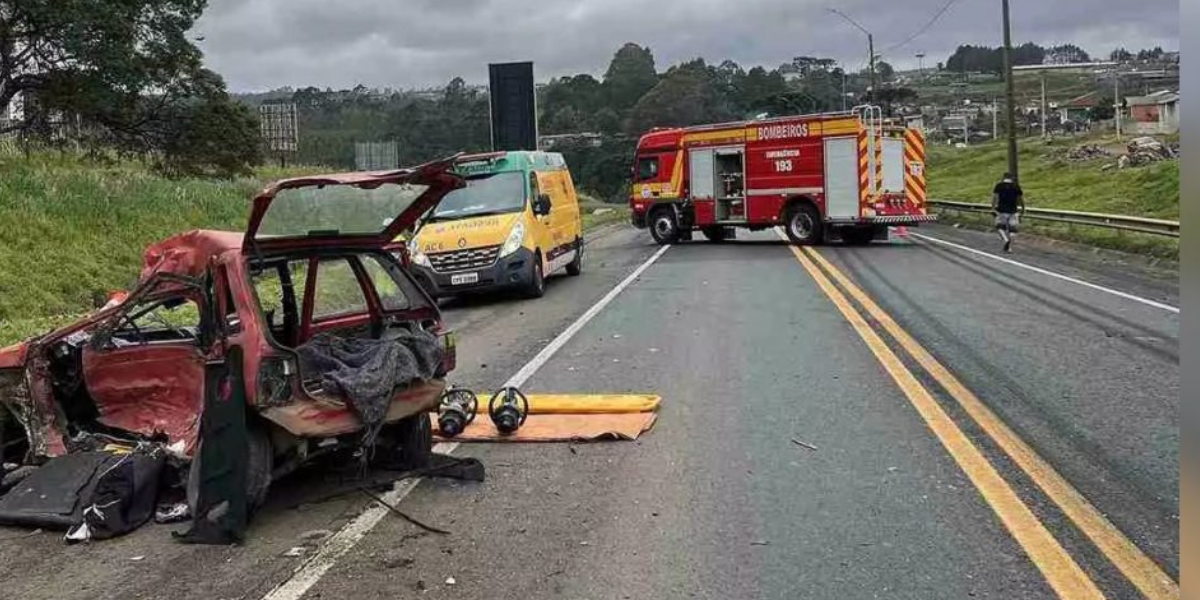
[{"x": 719, "y": 500}]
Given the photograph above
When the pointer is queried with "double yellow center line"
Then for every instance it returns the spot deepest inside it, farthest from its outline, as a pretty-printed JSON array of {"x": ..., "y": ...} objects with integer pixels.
[{"x": 1061, "y": 571}]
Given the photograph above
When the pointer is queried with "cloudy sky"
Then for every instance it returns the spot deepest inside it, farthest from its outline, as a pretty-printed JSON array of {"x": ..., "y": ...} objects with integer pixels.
[{"x": 262, "y": 44}]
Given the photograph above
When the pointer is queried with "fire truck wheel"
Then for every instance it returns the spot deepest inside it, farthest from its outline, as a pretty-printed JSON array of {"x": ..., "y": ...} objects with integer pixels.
[
  {"x": 715, "y": 234},
  {"x": 663, "y": 227},
  {"x": 803, "y": 224}
]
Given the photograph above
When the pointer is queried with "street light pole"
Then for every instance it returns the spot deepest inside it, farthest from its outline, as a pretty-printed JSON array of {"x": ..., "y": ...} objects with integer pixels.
[
  {"x": 870, "y": 45},
  {"x": 1010, "y": 96}
]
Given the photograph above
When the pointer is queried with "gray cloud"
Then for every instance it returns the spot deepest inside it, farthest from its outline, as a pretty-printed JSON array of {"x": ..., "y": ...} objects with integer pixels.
[{"x": 262, "y": 44}]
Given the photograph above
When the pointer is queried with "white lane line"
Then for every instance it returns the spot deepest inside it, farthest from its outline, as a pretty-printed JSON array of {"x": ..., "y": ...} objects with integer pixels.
[
  {"x": 529, "y": 369},
  {"x": 1118, "y": 293},
  {"x": 310, "y": 571}
]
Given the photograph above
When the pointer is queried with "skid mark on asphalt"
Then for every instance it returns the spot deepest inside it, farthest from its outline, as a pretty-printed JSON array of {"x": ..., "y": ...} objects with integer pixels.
[
  {"x": 1149, "y": 340},
  {"x": 1142, "y": 571},
  {"x": 1048, "y": 273},
  {"x": 311, "y": 571}
]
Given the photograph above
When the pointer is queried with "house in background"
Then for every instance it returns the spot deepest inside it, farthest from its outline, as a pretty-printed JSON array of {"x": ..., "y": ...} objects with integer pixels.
[
  {"x": 1156, "y": 114},
  {"x": 1079, "y": 110}
]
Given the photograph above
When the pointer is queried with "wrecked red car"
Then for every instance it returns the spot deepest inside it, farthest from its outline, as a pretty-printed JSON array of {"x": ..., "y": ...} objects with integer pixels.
[{"x": 311, "y": 265}]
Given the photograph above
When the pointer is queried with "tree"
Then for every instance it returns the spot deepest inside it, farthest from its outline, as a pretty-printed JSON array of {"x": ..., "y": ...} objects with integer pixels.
[
  {"x": 884, "y": 71},
  {"x": 687, "y": 95},
  {"x": 1120, "y": 55},
  {"x": 128, "y": 74},
  {"x": 1066, "y": 54},
  {"x": 213, "y": 137},
  {"x": 630, "y": 75},
  {"x": 118, "y": 49}
]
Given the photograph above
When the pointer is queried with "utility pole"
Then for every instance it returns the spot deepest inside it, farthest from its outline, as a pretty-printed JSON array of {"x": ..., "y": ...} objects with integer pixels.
[
  {"x": 871, "y": 48},
  {"x": 870, "y": 45},
  {"x": 1043, "y": 111},
  {"x": 1117, "y": 101},
  {"x": 843, "y": 90},
  {"x": 1010, "y": 97},
  {"x": 995, "y": 119}
]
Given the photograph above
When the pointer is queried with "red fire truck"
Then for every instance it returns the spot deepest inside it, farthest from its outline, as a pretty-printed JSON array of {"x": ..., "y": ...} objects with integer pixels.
[{"x": 825, "y": 177}]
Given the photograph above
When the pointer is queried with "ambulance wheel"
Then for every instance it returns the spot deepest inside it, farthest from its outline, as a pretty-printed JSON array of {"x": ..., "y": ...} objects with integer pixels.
[
  {"x": 803, "y": 225},
  {"x": 858, "y": 236},
  {"x": 715, "y": 234},
  {"x": 575, "y": 267},
  {"x": 663, "y": 227},
  {"x": 536, "y": 288}
]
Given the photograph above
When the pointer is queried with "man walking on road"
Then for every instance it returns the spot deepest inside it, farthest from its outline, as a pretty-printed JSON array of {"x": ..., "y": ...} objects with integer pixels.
[{"x": 1007, "y": 200}]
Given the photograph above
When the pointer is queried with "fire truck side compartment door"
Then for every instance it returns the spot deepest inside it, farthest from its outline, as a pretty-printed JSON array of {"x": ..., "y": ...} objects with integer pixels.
[
  {"x": 893, "y": 165},
  {"x": 841, "y": 178},
  {"x": 701, "y": 175}
]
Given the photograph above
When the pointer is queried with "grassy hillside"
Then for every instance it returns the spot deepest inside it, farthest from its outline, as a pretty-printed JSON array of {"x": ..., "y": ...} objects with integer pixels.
[
  {"x": 1052, "y": 181},
  {"x": 71, "y": 227}
]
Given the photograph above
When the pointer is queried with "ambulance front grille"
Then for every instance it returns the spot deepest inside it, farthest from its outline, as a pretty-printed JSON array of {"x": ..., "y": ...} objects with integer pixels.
[{"x": 464, "y": 260}]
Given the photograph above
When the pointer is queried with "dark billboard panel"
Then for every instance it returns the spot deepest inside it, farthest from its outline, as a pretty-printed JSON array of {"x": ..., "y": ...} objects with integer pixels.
[{"x": 514, "y": 106}]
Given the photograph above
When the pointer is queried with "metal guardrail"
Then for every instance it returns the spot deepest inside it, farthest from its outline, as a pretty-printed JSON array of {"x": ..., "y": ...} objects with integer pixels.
[{"x": 1072, "y": 217}]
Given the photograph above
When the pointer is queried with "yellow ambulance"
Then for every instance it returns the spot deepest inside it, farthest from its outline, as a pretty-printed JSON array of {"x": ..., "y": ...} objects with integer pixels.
[{"x": 516, "y": 223}]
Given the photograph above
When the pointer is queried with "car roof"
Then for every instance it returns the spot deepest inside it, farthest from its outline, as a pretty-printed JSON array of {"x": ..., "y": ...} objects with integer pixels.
[{"x": 189, "y": 253}]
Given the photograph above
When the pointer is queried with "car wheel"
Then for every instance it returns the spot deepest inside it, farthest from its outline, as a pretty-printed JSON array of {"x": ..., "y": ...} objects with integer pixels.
[
  {"x": 260, "y": 462},
  {"x": 537, "y": 282},
  {"x": 803, "y": 225},
  {"x": 663, "y": 227},
  {"x": 413, "y": 440},
  {"x": 858, "y": 236},
  {"x": 575, "y": 269}
]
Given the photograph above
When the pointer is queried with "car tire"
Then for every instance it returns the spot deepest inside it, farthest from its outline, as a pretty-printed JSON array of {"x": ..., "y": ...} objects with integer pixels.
[
  {"x": 664, "y": 227},
  {"x": 858, "y": 236},
  {"x": 575, "y": 268},
  {"x": 536, "y": 288},
  {"x": 411, "y": 441},
  {"x": 803, "y": 225},
  {"x": 259, "y": 464}
]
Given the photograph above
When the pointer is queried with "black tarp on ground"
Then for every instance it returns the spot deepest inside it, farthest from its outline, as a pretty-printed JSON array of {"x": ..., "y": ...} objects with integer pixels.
[{"x": 53, "y": 496}]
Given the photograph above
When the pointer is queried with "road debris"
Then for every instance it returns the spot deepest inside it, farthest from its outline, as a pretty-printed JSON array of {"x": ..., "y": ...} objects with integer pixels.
[
  {"x": 760, "y": 543},
  {"x": 296, "y": 551},
  {"x": 804, "y": 444},
  {"x": 401, "y": 514},
  {"x": 451, "y": 581},
  {"x": 172, "y": 513}
]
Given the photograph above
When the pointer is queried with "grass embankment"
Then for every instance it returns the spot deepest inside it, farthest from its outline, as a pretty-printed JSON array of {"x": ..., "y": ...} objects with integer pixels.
[
  {"x": 1052, "y": 181},
  {"x": 70, "y": 227}
]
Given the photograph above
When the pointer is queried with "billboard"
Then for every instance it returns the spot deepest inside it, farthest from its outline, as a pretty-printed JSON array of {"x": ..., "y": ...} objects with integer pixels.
[{"x": 514, "y": 106}]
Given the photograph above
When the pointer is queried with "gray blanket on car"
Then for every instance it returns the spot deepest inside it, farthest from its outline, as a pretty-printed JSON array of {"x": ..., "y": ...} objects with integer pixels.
[{"x": 367, "y": 372}]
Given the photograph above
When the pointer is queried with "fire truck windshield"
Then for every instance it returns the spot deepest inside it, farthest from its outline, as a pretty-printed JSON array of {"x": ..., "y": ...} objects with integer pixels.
[{"x": 496, "y": 193}]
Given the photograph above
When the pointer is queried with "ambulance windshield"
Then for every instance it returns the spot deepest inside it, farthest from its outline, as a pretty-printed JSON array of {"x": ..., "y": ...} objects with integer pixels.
[{"x": 491, "y": 194}]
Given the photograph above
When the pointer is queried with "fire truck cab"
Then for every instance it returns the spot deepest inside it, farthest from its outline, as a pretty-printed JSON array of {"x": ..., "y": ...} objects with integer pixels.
[{"x": 846, "y": 176}]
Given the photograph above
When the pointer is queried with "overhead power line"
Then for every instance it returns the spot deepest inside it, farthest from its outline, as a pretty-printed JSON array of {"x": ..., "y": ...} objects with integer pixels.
[{"x": 921, "y": 31}]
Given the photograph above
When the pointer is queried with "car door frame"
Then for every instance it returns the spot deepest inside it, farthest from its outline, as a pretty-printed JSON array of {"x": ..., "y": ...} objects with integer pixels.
[{"x": 154, "y": 388}]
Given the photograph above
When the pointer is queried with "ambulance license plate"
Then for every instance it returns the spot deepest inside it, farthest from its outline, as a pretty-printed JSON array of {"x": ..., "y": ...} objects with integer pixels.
[{"x": 464, "y": 279}]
